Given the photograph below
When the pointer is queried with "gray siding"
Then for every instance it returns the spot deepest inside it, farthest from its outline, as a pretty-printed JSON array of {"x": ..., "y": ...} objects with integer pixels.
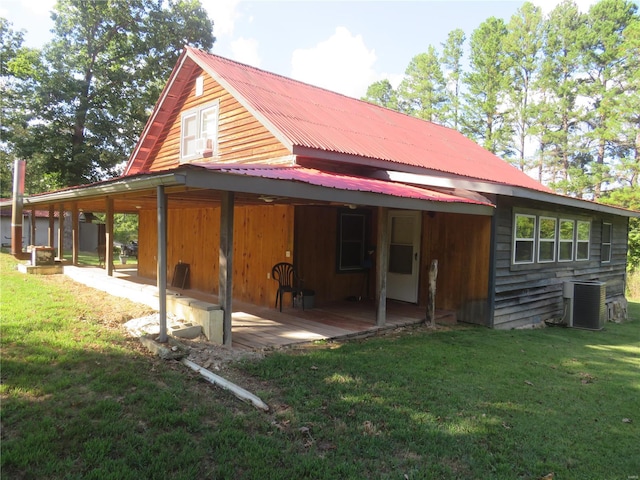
[{"x": 530, "y": 294}]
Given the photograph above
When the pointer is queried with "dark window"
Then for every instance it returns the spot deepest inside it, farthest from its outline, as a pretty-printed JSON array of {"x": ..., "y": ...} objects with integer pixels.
[
  {"x": 606, "y": 242},
  {"x": 352, "y": 235}
]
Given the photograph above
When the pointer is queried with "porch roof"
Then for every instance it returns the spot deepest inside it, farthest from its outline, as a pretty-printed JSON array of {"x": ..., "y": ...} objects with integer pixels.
[{"x": 257, "y": 185}]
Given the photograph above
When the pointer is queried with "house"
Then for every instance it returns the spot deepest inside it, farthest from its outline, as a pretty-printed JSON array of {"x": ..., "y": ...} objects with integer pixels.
[{"x": 238, "y": 169}]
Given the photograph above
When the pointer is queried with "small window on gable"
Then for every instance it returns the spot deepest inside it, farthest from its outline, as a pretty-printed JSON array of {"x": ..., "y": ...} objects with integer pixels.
[
  {"x": 547, "y": 239},
  {"x": 199, "y": 132},
  {"x": 607, "y": 235},
  {"x": 583, "y": 240},
  {"x": 565, "y": 249},
  {"x": 524, "y": 238}
]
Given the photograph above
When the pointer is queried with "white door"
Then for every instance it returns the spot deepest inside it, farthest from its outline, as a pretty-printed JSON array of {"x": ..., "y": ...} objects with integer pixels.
[{"x": 404, "y": 255}]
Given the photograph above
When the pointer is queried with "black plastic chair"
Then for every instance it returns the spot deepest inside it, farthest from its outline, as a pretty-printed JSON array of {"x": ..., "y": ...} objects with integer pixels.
[{"x": 288, "y": 282}]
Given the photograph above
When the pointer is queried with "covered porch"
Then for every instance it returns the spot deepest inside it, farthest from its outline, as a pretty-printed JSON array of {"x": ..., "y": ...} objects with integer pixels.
[{"x": 263, "y": 328}]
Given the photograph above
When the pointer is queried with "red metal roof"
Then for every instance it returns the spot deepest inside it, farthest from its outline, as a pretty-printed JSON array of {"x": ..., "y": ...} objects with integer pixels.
[
  {"x": 314, "y": 118},
  {"x": 342, "y": 182}
]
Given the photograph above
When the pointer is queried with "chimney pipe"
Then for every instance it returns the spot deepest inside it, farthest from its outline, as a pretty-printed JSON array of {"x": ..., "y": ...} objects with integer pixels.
[{"x": 16, "y": 217}]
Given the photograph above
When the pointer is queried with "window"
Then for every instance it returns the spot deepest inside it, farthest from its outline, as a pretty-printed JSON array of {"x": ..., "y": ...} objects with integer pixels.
[
  {"x": 199, "y": 132},
  {"x": 547, "y": 239},
  {"x": 565, "y": 249},
  {"x": 583, "y": 240},
  {"x": 524, "y": 238},
  {"x": 352, "y": 235},
  {"x": 607, "y": 231}
]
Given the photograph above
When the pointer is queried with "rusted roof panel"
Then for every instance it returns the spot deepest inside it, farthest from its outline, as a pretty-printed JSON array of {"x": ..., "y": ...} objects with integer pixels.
[{"x": 342, "y": 182}]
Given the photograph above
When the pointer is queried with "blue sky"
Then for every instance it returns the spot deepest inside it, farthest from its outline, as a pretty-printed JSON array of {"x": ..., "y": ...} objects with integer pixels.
[{"x": 340, "y": 45}]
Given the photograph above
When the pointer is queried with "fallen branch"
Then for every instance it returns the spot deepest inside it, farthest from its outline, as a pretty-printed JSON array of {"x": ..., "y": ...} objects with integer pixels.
[{"x": 238, "y": 391}]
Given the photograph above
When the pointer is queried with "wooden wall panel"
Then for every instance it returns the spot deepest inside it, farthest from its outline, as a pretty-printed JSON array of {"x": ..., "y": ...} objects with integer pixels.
[
  {"x": 316, "y": 238},
  {"x": 461, "y": 244},
  {"x": 241, "y": 138},
  {"x": 262, "y": 235}
]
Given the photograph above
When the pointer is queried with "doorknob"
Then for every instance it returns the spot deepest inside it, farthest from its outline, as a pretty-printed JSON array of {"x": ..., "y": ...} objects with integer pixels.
[{"x": 415, "y": 256}]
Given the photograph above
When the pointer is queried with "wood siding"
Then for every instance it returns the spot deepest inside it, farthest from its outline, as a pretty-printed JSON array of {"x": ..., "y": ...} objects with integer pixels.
[
  {"x": 530, "y": 294},
  {"x": 461, "y": 244},
  {"x": 262, "y": 236},
  {"x": 241, "y": 138},
  {"x": 316, "y": 242}
]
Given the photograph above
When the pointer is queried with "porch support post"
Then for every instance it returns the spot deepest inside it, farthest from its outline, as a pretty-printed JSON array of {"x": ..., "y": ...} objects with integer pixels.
[
  {"x": 108, "y": 241},
  {"x": 75, "y": 234},
  {"x": 61, "y": 232},
  {"x": 382, "y": 261},
  {"x": 225, "y": 281},
  {"x": 51, "y": 232},
  {"x": 33, "y": 226},
  {"x": 161, "y": 273}
]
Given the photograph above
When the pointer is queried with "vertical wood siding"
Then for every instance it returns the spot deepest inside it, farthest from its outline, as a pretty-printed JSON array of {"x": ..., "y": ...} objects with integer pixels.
[
  {"x": 530, "y": 294},
  {"x": 241, "y": 138},
  {"x": 262, "y": 235},
  {"x": 461, "y": 244}
]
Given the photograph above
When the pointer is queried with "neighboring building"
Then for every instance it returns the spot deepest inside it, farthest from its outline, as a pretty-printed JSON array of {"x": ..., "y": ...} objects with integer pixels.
[{"x": 360, "y": 198}]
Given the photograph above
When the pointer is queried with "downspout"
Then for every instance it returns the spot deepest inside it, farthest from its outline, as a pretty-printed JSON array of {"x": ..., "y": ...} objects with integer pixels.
[{"x": 16, "y": 214}]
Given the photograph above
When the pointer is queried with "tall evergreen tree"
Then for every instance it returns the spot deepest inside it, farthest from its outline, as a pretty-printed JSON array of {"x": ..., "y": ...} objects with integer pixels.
[
  {"x": 607, "y": 80},
  {"x": 382, "y": 93},
  {"x": 452, "y": 54},
  {"x": 484, "y": 113},
  {"x": 422, "y": 92},
  {"x": 523, "y": 47}
]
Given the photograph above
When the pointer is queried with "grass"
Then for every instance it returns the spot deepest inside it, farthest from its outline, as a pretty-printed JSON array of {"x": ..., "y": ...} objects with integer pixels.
[{"x": 81, "y": 400}]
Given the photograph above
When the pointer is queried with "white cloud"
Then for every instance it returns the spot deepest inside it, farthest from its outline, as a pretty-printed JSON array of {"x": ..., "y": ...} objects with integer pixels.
[
  {"x": 245, "y": 50},
  {"x": 342, "y": 63},
  {"x": 224, "y": 15}
]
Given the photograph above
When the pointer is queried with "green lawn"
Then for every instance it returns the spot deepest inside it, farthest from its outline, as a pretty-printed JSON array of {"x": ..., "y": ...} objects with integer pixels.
[{"x": 80, "y": 400}]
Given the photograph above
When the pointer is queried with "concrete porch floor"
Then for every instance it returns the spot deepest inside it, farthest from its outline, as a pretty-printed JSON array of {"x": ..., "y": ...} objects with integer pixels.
[{"x": 255, "y": 327}]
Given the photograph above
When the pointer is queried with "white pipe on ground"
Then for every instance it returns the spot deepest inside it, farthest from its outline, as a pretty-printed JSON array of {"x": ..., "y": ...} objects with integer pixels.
[{"x": 238, "y": 391}]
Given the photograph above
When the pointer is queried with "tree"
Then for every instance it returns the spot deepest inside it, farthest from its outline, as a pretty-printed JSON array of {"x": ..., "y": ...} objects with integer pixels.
[
  {"x": 382, "y": 93},
  {"x": 560, "y": 114},
  {"x": 523, "y": 47},
  {"x": 452, "y": 54},
  {"x": 484, "y": 115},
  {"x": 607, "y": 68},
  {"x": 423, "y": 91},
  {"x": 104, "y": 70}
]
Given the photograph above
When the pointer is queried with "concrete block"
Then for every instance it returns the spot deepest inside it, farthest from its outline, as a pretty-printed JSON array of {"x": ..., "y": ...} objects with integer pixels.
[{"x": 183, "y": 331}]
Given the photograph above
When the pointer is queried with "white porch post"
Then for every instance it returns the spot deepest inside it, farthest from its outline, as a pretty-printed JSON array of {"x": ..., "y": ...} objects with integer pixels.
[
  {"x": 75, "y": 234},
  {"x": 162, "y": 263},
  {"x": 61, "y": 232},
  {"x": 382, "y": 261},
  {"x": 225, "y": 281},
  {"x": 108, "y": 251}
]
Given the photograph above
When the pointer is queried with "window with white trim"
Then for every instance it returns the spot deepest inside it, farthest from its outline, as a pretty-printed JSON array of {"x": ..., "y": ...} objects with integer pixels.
[
  {"x": 566, "y": 240},
  {"x": 583, "y": 240},
  {"x": 199, "y": 132},
  {"x": 607, "y": 235},
  {"x": 524, "y": 238},
  {"x": 547, "y": 227}
]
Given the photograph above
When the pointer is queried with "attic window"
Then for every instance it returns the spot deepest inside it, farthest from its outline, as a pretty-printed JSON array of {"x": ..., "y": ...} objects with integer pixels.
[
  {"x": 199, "y": 132},
  {"x": 199, "y": 86}
]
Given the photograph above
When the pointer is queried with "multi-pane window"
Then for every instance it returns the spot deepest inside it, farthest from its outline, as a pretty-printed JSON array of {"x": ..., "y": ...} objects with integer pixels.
[
  {"x": 566, "y": 239},
  {"x": 606, "y": 242},
  {"x": 583, "y": 240},
  {"x": 199, "y": 132},
  {"x": 547, "y": 239},
  {"x": 524, "y": 238}
]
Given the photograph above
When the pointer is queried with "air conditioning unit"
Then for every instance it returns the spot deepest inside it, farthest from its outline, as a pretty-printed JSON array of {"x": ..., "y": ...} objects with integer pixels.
[
  {"x": 204, "y": 146},
  {"x": 585, "y": 304}
]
